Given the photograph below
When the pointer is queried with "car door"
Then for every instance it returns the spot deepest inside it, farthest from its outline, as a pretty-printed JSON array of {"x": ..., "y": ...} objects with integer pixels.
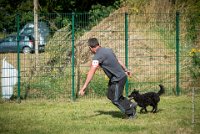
[
  {"x": 1, "y": 44},
  {"x": 11, "y": 45},
  {"x": 5, "y": 44}
]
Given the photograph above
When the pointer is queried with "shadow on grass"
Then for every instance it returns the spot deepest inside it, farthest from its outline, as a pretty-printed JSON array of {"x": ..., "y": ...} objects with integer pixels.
[
  {"x": 115, "y": 114},
  {"x": 118, "y": 114},
  {"x": 158, "y": 111}
]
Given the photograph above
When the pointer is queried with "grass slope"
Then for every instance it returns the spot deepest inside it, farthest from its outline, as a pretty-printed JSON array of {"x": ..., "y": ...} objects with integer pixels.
[{"x": 95, "y": 116}]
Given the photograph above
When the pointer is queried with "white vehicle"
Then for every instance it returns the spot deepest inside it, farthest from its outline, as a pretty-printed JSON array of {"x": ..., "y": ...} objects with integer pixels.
[{"x": 43, "y": 31}]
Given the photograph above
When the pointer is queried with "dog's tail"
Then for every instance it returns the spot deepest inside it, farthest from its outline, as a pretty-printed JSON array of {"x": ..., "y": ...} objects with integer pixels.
[{"x": 162, "y": 90}]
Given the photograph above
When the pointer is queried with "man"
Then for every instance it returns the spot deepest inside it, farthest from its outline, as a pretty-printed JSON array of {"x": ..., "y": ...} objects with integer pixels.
[{"x": 117, "y": 74}]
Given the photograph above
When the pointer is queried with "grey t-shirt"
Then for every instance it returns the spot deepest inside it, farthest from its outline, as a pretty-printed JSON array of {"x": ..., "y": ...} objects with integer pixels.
[{"x": 108, "y": 61}]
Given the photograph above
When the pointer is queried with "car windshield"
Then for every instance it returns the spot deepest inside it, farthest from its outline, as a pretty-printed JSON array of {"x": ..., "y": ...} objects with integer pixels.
[{"x": 28, "y": 31}]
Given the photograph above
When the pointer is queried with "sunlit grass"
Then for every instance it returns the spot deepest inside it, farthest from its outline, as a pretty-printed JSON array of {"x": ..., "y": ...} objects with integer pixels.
[{"x": 95, "y": 116}]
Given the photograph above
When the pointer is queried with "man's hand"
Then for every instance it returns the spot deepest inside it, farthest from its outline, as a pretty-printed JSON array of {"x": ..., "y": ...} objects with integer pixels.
[
  {"x": 128, "y": 73},
  {"x": 82, "y": 91}
]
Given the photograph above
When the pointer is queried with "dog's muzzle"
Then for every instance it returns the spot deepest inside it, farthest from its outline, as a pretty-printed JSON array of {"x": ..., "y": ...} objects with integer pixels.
[{"x": 130, "y": 98}]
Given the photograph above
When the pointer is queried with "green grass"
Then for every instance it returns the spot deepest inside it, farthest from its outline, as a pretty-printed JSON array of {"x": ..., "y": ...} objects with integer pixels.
[{"x": 95, "y": 116}]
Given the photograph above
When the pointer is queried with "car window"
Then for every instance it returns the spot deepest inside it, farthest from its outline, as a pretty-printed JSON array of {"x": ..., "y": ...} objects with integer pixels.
[
  {"x": 31, "y": 38},
  {"x": 10, "y": 39},
  {"x": 26, "y": 38},
  {"x": 28, "y": 31},
  {"x": 21, "y": 38}
]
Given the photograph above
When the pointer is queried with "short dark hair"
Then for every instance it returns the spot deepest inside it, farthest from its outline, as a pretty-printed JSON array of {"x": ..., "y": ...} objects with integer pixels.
[{"x": 93, "y": 42}]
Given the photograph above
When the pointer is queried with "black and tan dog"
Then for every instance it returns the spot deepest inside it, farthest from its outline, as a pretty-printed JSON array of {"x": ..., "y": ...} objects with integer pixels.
[{"x": 146, "y": 99}]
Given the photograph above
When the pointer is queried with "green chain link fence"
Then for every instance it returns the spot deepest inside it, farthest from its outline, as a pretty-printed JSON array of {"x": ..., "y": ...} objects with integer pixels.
[{"x": 155, "y": 48}]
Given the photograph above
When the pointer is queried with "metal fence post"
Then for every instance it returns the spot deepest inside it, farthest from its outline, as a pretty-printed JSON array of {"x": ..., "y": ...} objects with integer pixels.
[
  {"x": 18, "y": 60},
  {"x": 126, "y": 48},
  {"x": 73, "y": 74},
  {"x": 177, "y": 54}
]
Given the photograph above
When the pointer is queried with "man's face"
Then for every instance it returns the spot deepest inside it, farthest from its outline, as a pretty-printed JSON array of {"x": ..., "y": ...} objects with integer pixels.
[{"x": 92, "y": 50}]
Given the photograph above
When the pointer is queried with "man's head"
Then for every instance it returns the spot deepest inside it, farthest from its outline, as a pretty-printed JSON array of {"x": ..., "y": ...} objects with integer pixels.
[{"x": 93, "y": 44}]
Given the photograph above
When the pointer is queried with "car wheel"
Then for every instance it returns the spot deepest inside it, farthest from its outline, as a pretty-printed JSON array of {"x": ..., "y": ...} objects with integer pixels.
[{"x": 26, "y": 50}]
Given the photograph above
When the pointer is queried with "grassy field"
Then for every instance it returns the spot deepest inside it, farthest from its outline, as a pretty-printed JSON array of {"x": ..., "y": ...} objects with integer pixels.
[{"x": 96, "y": 116}]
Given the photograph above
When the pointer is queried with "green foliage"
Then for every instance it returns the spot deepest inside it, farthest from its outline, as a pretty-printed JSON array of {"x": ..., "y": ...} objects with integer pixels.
[
  {"x": 191, "y": 17},
  {"x": 9, "y": 8},
  {"x": 135, "y": 5},
  {"x": 99, "y": 84},
  {"x": 25, "y": 18},
  {"x": 98, "y": 12},
  {"x": 195, "y": 67},
  {"x": 193, "y": 26},
  {"x": 51, "y": 85}
]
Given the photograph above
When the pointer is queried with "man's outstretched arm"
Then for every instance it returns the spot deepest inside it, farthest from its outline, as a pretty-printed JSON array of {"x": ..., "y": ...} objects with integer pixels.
[{"x": 90, "y": 74}]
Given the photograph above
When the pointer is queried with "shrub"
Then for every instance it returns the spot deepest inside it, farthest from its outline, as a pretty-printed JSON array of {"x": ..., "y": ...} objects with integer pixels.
[
  {"x": 195, "y": 68},
  {"x": 99, "y": 84}
]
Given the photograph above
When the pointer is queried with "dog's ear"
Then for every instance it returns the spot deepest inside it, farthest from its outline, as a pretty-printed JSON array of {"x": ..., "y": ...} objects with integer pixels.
[
  {"x": 136, "y": 91},
  {"x": 131, "y": 94},
  {"x": 131, "y": 97}
]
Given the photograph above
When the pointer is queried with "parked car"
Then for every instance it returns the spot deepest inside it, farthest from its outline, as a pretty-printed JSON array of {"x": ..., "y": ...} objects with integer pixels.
[
  {"x": 43, "y": 31},
  {"x": 26, "y": 44}
]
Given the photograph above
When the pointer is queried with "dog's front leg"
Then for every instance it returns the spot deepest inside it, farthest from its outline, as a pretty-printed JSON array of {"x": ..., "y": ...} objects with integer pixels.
[
  {"x": 155, "y": 109},
  {"x": 145, "y": 109},
  {"x": 142, "y": 110},
  {"x": 152, "y": 109}
]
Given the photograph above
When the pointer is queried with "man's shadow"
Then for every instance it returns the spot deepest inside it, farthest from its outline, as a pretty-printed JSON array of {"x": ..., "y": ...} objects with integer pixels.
[{"x": 115, "y": 114}]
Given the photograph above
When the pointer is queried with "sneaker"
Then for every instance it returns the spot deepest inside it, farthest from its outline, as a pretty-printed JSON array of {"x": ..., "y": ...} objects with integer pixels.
[
  {"x": 132, "y": 116},
  {"x": 133, "y": 105}
]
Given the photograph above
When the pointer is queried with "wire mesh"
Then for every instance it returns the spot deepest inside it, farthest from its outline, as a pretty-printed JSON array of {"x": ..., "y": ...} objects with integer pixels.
[
  {"x": 151, "y": 54},
  {"x": 152, "y": 51}
]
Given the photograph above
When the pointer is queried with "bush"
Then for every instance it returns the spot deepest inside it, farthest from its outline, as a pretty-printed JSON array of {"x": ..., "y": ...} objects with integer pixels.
[
  {"x": 98, "y": 12},
  {"x": 195, "y": 68},
  {"x": 99, "y": 84}
]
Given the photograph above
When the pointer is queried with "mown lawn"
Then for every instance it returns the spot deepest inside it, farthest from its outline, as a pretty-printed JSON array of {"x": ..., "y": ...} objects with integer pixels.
[{"x": 96, "y": 116}]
